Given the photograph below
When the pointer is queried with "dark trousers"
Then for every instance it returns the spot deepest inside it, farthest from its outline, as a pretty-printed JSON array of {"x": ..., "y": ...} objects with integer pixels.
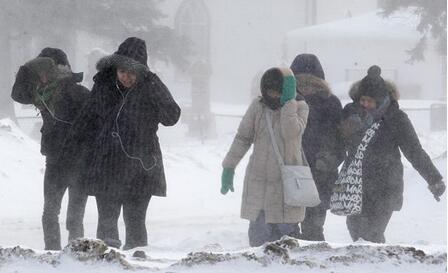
[
  {"x": 134, "y": 215},
  {"x": 370, "y": 225},
  {"x": 313, "y": 224},
  {"x": 54, "y": 189},
  {"x": 261, "y": 232}
]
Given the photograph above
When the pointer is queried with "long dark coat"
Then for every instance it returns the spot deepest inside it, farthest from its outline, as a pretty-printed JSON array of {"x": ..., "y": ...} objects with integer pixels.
[
  {"x": 322, "y": 139},
  {"x": 382, "y": 170},
  {"x": 67, "y": 102},
  {"x": 116, "y": 127}
]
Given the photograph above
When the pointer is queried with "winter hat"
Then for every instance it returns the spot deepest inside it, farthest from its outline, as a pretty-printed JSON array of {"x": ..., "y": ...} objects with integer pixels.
[
  {"x": 59, "y": 56},
  {"x": 63, "y": 66},
  {"x": 43, "y": 66},
  {"x": 373, "y": 85},
  {"x": 307, "y": 64}
]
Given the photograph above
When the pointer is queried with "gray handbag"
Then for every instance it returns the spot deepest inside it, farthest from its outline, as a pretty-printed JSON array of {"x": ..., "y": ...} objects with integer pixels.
[{"x": 299, "y": 189}]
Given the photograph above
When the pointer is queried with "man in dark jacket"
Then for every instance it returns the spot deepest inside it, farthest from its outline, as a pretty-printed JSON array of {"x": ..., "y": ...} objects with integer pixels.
[
  {"x": 321, "y": 140},
  {"x": 121, "y": 156},
  {"x": 375, "y": 102},
  {"x": 48, "y": 83}
]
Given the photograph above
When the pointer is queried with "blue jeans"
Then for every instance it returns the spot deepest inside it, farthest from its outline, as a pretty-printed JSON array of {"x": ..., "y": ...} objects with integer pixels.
[{"x": 261, "y": 232}]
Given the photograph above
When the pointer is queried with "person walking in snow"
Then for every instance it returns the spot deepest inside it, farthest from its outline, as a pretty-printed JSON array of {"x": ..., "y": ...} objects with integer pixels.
[
  {"x": 120, "y": 157},
  {"x": 48, "y": 83},
  {"x": 321, "y": 141},
  {"x": 262, "y": 202},
  {"x": 375, "y": 129}
]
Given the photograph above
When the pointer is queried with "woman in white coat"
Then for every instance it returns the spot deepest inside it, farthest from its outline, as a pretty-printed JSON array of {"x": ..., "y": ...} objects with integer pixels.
[{"x": 263, "y": 201}]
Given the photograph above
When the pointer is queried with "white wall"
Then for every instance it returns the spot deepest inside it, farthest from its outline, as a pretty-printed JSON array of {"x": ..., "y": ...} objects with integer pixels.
[
  {"x": 337, "y": 9},
  {"x": 338, "y": 55},
  {"x": 246, "y": 36}
]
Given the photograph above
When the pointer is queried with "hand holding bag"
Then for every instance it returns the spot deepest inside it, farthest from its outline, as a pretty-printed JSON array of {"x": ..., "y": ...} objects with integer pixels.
[{"x": 299, "y": 189}]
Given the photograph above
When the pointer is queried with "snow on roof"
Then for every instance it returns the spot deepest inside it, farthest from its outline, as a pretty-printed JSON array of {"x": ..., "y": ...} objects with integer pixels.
[{"x": 370, "y": 26}]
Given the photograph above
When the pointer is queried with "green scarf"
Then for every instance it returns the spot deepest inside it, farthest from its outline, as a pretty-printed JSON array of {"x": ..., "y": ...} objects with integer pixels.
[{"x": 44, "y": 97}]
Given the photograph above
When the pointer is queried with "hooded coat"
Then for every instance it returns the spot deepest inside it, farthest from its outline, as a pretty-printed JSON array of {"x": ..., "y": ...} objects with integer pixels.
[
  {"x": 263, "y": 188},
  {"x": 117, "y": 129},
  {"x": 67, "y": 99},
  {"x": 322, "y": 142},
  {"x": 382, "y": 170}
]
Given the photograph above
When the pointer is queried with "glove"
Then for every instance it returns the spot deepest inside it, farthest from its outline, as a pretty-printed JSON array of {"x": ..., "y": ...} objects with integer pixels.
[
  {"x": 288, "y": 89},
  {"x": 350, "y": 125},
  {"x": 227, "y": 180},
  {"x": 321, "y": 165},
  {"x": 437, "y": 189}
]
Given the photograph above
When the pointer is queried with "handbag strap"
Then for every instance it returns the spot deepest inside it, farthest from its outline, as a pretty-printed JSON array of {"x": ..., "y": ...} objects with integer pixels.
[{"x": 274, "y": 143}]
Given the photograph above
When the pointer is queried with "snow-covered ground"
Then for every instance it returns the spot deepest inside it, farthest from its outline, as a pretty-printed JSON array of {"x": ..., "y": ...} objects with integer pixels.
[{"x": 195, "y": 217}]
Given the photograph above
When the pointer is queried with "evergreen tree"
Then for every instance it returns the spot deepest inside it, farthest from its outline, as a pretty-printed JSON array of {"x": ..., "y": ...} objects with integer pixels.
[
  {"x": 433, "y": 18},
  {"x": 54, "y": 23}
]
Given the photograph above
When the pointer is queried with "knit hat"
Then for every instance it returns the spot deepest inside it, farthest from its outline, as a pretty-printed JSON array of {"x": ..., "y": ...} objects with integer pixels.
[
  {"x": 58, "y": 56},
  {"x": 373, "y": 85},
  {"x": 307, "y": 64}
]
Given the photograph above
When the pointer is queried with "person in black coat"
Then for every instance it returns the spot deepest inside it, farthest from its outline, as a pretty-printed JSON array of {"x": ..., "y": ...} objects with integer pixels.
[
  {"x": 121, "y": 161},
  {"x": 322, "y": 141},
  {"x": 48, "y": 82},
  {"x": 375, "y": 101}
]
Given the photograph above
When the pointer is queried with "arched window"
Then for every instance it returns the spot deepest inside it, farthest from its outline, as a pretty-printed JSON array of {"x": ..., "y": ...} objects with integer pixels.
[{"x": 193, "y": 22}]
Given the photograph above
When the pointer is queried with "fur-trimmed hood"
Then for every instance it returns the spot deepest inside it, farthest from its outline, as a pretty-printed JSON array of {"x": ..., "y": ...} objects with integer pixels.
[
  {"x": 130, "y": 56},
  {"x": 391, "y": 88},
  {"x": 308, "y": 84},
  {"x": 115, "y": 61}
]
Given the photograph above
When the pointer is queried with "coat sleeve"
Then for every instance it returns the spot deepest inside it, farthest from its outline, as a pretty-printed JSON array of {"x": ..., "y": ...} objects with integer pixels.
[
  {"x": 82, "y": 134},
  {"x": 412, "y": 149},
  {"x": 168, "y": 111},
  {"x": 293, "y": 119},
  {"x": 243, "y": 139},
  {"x": 24, "y": 86},
  {"x": 332, "y": 149},
  {"x": 80, "y": 95},
  {"x": 351, "y": 125}
]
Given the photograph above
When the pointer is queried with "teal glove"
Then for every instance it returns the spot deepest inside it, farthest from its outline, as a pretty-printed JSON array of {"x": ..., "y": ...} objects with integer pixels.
[
  {"x": 288, "y": 89},
  {"x": 227, "y": 180}
]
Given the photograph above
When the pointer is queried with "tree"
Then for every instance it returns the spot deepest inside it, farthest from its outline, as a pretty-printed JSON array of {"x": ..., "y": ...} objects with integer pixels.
[
  {"x": 54, "y": 23},
  {"x": 433, "y": 18},
  {"x": 117, "y": 19}
]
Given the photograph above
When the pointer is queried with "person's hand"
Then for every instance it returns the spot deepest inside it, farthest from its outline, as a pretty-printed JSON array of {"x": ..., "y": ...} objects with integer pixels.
[
  {"x": 227, "y": 180},
  {"x": 288, "y": 89},
  {"x": 321, "y": 165},
  {"x": 437, "y": 189},
  {"x": 350, "y": 125}
]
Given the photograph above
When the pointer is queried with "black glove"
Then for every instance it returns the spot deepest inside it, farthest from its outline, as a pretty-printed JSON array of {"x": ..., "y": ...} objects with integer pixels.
[
  {"x": 321, "y": 165},
  {"x": 437, "y": 189},
  {"x": 350, "y": 125}
]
